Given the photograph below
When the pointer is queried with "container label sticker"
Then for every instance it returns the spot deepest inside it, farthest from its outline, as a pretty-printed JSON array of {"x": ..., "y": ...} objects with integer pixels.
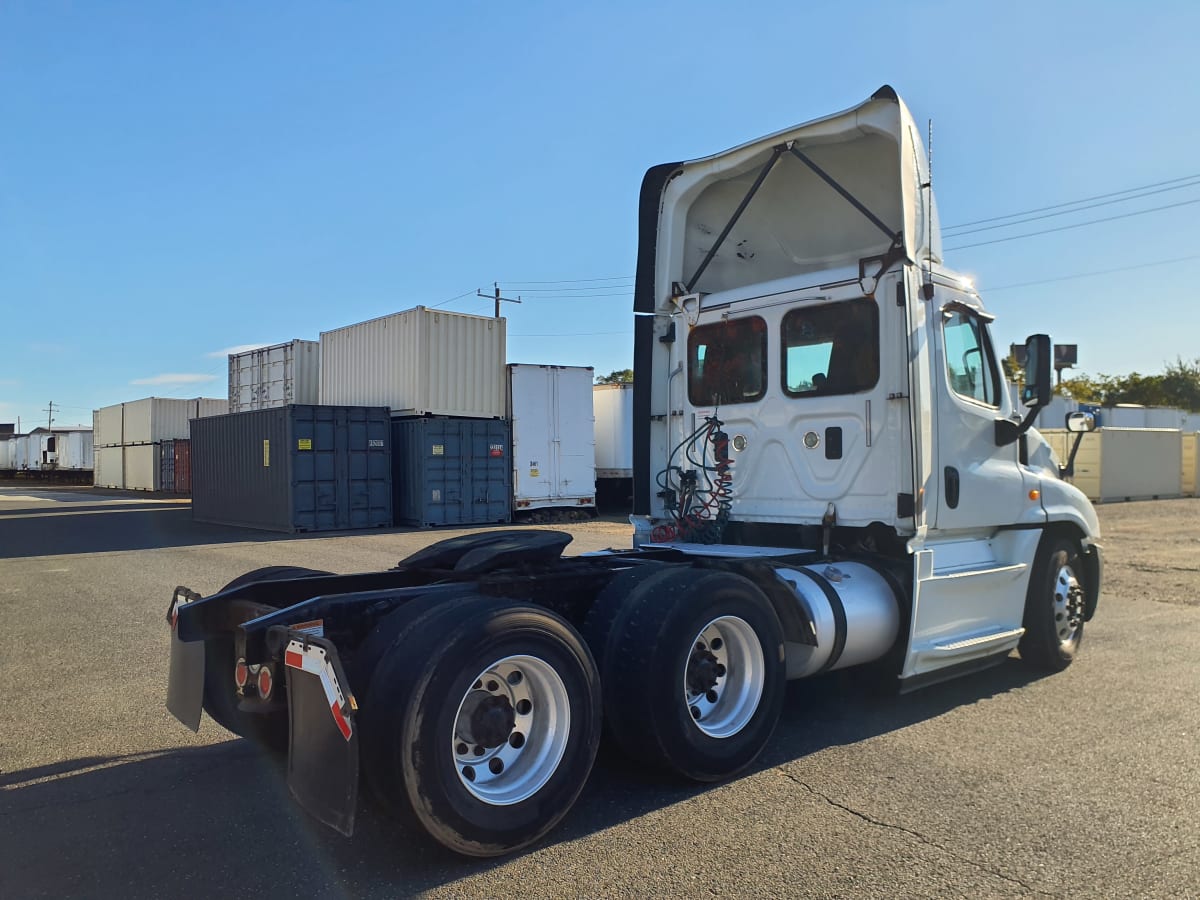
[
  {"x": 315, "y": 628},
  {"x": 439, "y": 449},
  {"x": 533, "y": 473},
  {"x": 437, "y": 495},
  {"x": 375, "y": 443},
  {"x": 496, "y": 450},
  {"x": 303, "y": 443},
  {"x": 266, "y": 453}
]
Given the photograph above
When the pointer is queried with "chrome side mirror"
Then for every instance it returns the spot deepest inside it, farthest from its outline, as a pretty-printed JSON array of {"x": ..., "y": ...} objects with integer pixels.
[{"x": 1079, "y": 422}]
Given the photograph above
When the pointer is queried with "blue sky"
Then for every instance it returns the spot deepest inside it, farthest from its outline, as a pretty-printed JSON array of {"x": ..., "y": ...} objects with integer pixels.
[{"x": 177, "y": 179}]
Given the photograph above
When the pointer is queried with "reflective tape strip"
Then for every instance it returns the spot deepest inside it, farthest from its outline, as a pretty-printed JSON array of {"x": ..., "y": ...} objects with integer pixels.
[{"x": 312, "y": 659}]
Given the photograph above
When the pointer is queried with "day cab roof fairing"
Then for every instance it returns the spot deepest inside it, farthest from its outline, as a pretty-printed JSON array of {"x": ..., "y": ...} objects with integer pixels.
[{"x": 820, "y": 202}]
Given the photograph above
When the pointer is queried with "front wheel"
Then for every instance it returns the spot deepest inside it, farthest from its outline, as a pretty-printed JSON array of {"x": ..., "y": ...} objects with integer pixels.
[
  {"x": 482, "y": 723},
  {"x": 1054, "y": 606}
]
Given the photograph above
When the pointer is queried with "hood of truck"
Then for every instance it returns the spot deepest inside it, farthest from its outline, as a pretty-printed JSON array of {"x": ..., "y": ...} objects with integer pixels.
[{"x": 797, "y": 229}]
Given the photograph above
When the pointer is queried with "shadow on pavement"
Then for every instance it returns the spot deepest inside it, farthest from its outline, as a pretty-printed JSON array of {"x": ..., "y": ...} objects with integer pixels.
[
  {"x": 68, "y": 529},
  {"x": 218, "y": 820}
]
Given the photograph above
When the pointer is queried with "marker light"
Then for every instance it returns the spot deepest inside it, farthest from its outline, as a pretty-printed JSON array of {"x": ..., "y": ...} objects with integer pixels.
[
  {"x": 265, "y": 682},
  {"x": 241, "y": 674},
  {"x": 1035, "y": 494}
]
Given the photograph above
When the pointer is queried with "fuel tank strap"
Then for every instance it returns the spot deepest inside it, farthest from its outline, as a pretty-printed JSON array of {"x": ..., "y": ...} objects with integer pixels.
[{"x": 839, "y": 616}]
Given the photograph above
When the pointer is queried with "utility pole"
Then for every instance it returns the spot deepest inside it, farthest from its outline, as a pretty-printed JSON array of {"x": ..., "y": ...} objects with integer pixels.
[
  {"x": 496, "y": 296},
  {"x": 49, "y": 415}
]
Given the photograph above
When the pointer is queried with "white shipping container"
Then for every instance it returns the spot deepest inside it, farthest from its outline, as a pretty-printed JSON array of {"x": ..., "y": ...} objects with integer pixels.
[
  {"x": 151, "y": 420},
  {"x": 417, "y": 362},
  {"x": 74, "y": 451},
  {"x": 7, "y": 451},
  {"x": 554, "y": 451},
  {"x": 133, "y": 468},
  {"x": 1123, "y": 415},
  {"x": 29, "y": 449},
  {"x": 109, "y": 469},
  {"x": 613, "y": 409},
  {"x": 1165, "y": 417},
  {"x": 275, "y": 376},
  {"x": 1190, "y": 480},
  {"x": 1130, "y": 464},
  {"x": 107, "y": 426}
]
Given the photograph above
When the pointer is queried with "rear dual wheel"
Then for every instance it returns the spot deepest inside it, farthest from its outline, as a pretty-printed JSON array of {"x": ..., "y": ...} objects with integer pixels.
[
  {"x": 692, "y": 662},
  {"x": 482, "y": 722}
]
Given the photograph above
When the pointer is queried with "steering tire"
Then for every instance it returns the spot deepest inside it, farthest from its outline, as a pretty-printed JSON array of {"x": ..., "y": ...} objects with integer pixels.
[{"x": 1054, "y": 606}]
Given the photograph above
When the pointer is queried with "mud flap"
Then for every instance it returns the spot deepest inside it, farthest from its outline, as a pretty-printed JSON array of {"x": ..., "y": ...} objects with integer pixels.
[
  {"x": 323, "y": 737},
  {"x": 185, "y": 683}
]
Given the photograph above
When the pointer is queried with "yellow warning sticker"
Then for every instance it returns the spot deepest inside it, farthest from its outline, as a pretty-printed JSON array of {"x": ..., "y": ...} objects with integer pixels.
[
  {"x": 303, "y": 443},
  {"x": 533, "y": 473},
  {"x": 266, "y": 453}
]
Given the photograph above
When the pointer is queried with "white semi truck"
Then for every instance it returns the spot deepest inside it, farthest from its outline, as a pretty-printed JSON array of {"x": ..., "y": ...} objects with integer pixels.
[{"x": 828, "y": 472}]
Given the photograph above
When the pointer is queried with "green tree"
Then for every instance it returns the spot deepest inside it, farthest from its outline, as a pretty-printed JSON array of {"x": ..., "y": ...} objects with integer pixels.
[
  {"x": 617, "y": 376},
  {"x": 1178, "y": 385}
]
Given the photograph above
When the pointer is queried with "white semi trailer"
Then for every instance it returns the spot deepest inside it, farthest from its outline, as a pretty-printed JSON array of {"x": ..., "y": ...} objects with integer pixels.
[{"x": 828, "y": 472}]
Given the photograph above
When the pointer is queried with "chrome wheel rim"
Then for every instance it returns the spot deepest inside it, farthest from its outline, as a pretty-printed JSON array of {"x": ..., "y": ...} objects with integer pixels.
[
  {"x": 723, "y": 677},
  {"x": 511, "y": 729},
  {"x": 1068, "y": 605}
]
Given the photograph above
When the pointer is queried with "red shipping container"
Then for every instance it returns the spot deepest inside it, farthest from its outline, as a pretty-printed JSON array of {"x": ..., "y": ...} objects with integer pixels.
[{"x": 183, "y": 466}]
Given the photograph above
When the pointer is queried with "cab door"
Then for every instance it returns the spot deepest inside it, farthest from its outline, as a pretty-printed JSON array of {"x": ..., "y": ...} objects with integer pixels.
[{"x": 981, "y": 485}]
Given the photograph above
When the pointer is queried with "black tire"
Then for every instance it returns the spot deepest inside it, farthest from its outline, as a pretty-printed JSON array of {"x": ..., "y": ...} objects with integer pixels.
[
  {"x": 650, "y": 638},
  {"x": 220, "y": 692},
  {"x": 1050, "y": 643},
  {"x": 409, "y": 721}
]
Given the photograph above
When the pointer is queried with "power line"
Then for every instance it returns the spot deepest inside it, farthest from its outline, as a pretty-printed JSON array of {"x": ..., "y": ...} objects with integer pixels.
[
  {"x": 628, "y": 293},
  {"x": 469, "y": 293},
  {"x": 1139, "y": 212},
  {"x": 513, "y": 282},
  {"x": 592, "y": 287},
  {"x": 1067, "y": 212},
  {"x": 1072, "y": 202},
  {"x": 572, "y": 334},
  {"x": 1161, "y": 262}
]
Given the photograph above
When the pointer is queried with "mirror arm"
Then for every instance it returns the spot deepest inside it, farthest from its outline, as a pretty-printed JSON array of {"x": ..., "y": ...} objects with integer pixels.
[{"x": 1068, "y": 471}]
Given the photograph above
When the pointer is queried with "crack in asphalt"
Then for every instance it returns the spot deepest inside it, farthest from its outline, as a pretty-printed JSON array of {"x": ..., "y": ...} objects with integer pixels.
[{"x": 870, "y": 820}]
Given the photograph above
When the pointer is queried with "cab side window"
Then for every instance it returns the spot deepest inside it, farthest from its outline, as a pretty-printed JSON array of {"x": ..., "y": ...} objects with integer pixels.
[{"x": 970, "y": 365}]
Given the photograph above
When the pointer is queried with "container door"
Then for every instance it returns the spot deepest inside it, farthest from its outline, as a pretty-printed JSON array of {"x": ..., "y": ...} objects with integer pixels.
[
  {"x": 489, "y": 471},
  {"x": 166, "y": 459},
  {"x": 574, "y": 436},
  {"x": 183, "y": 467},
  {"x": 535, "y": 457}
]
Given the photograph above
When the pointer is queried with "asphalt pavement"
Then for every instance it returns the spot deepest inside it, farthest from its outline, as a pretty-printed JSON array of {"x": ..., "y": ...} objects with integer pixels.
[{"x": 1085, "y": 783}]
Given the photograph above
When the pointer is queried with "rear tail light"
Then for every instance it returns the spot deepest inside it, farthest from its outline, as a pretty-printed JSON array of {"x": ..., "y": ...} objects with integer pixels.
[
  {"x": 241, "y": 674},
  {"x": 265, "y": 682}
]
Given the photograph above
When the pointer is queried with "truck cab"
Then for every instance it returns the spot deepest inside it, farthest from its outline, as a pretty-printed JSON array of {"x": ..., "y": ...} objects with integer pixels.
[{"x": 793, "y": 290}]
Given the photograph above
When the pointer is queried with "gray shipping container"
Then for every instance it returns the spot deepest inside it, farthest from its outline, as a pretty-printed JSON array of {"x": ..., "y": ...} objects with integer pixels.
[
  {"x": 294, "y": 468},
  {"x": 451, "y": 471}
]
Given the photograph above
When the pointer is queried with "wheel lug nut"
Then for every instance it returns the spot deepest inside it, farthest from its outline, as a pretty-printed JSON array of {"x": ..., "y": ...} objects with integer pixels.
[
  {"x": 720, "y": 671},
  {"x": 496, "y": 765},
  {"x": 514, "y": 677},
  {"x": 516, "y": 740},
  {"x": 523, "y": 707},
  {"x": 711, "y": 696},
  {"x": 695, "y": 712}
]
